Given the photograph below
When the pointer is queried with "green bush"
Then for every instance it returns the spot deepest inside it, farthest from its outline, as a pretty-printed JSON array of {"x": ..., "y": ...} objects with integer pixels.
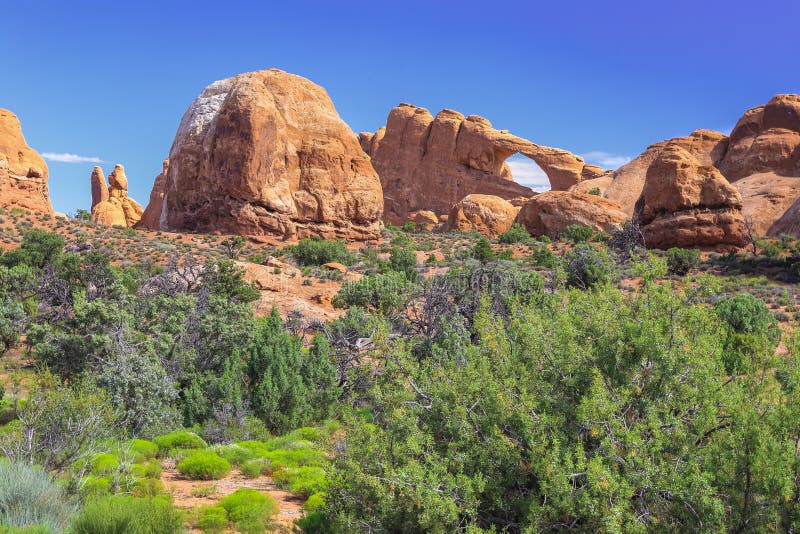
[
  {"x": 28, "y": 496},
  {"x": 516, "y": 234},
  {"x": 385, "y": 292},
  {"x": 251, "y": 510},
  {"x": 578, "y": 233},
  {"x": 594, "y": 191},
  {"x": 753, "y": 332},
  {"x": 180, "y": 439},
  {"x": 682, "y": 260},
  {"x": 104, "y": 464},
  {"x": 213, "y": 519},
  {"x": 318, "y": 251},
  {"x": 305, "y": 480},
  {"x": 143, "y": 449},
  {"x": 543, "y": 257},
  {"x": 123, "y": 514},
  {"x": 404, "y": 260},
  {"x": 482, "y": 251},
  {"x": 588, "y": 267},
  {"x": 253, "y": 468},
  {"x": 204, "y": 465},
  {"x": 234, "y": 453},
  {"x": 33, "y": 529}
]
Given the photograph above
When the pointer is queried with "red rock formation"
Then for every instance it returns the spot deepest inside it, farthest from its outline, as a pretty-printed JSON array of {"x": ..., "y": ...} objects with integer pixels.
[
  {"x": 549, "y": 213},
  {"x": 766, "y": 202},
  {"x": 23, "y": 172},
  {"x": 687, "y": 204},
  {"x": 707, "y": 146},
  {"x": 111, "y": 204},
  {"x": 486, "y": 214},
  {"x": 766, "y": 139},
  {"x": 428, "y": 163},
  {"x": 265, "y": 153},
  {"x": 151, "y": 218}
]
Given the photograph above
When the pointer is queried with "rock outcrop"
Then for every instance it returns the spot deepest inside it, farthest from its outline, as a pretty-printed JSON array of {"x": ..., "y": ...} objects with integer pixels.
[
  {"x": 549, "y": 213},
  {"x": 707, "y": 146},
  {"x": 766, "y": 202},
  {"x": 265, "y": 153},
  {"x": 685, "y": 203},
  {"x": 111, "y": 204},
  {"x": 766, "y": 139},
  {"x": 23, "y": 172},
  {"x": 430, "y": 163},
  {"x": 151, "y": 218},
  {"x": 488, "y": 215}
]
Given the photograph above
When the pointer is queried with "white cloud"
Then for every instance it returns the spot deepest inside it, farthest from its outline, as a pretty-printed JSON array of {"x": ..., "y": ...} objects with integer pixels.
[
  {"x": 605, "y": 160},
  {"x": 526, "y": 172},
  {"x": 66, "y": 157}
]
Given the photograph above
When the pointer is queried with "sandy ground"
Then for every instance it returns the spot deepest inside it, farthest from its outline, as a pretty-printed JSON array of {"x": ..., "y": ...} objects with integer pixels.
[{"x": 181, "y": 490}]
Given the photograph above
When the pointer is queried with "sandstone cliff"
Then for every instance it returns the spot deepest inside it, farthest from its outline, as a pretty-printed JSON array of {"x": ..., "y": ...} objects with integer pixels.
[{"x": 23, "y": 172}]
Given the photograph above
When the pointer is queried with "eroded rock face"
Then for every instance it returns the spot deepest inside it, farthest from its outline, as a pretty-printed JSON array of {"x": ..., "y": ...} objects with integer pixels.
[
  {"x": 766, "y": 139},
  {"x": 685, "y": 203},
  {"x": 707, "y": 146},
  {"x": 111, "y": 204},
  {"x": 488, "y": 215},
  {"x": 430, "y": 163},
  {"x": 549, "y": 213},
  {"x": 265, "y": 153},
  {"x": 151, "y": 218},
  {"x": 23, "y": 172},
  {"x": 767, "y": 199}
]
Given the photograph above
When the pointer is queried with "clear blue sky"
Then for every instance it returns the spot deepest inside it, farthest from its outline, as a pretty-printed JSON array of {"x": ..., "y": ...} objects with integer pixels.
[{"x": 111, "y": 79}]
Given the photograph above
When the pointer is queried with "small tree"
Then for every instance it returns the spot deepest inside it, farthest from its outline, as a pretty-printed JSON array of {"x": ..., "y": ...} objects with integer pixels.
[
  {"x": 233, "y": 246},
  {"x": 483, "y": 250},
  {"x": 682, "y": 260}
]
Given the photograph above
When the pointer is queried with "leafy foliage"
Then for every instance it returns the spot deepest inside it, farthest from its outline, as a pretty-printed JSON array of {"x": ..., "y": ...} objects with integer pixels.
[
  {"x": 681, "y": 260},
  {"x": 204, "y": 465},
  {"x": 126, "y": 514},
  {"x": 318, "y": 251}
]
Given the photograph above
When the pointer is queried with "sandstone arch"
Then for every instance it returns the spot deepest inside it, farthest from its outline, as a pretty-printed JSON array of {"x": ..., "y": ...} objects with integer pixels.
[{"x": 431, "y": 163}]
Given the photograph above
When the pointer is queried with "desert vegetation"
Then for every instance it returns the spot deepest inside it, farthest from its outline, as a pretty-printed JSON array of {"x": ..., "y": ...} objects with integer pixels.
[{"x": 576, "y": 382}]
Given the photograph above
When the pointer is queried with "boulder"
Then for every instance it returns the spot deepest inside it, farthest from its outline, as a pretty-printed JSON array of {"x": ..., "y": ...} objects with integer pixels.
[
  {"x": 424, "y": 217},
  {"x": 707, "y": 146},
  {"x": 549, "y": 213},
  {"x": 766, "y": 139},
  {"x": 489, "y": 215},
  {"x": 431, "y": 163},
  {"x": 23, "y": 172},
  {"x": 685, "y": 203},
  {"x": 265, "y": 153},
  {"x": 111, "y": 205}
]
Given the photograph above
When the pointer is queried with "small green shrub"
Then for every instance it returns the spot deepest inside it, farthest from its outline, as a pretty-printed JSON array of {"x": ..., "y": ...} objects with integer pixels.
[
  {"x": 588, "y": 267},
  {"x": 104, "y": 464},
  {"x": 28, "y": 497},
  {"x": 315, "y": 501},
  {"x": 578, "y": 233},
  {"x": 516, "y": 234},
  {"x": 594, "y": 191},
  {"x": 124, "y": 514},
  {"x": 385, "y": 292},
  {"x": 204, "y": 465},
  {"x": 543, "y": 257},
  {"x": 234, "y": 453},
  {"x": 682, "y": 260},
  {"x": 204, "y": 490},
  {"x": 143, "y": 449},
  {"x": 483, "y": 250},
  {"x": 180, "y": 439},
  {"x": 251, "y": 510},
  {"x": 213, "y": 519},
  {"x": 318, "y": 251},
  {"x": 305, "y": 480},
  {"x": 252, "y": 468}
]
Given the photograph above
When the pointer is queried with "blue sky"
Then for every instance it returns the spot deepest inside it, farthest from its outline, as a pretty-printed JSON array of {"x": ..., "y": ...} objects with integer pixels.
[{"x": 110, "y": 80}]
